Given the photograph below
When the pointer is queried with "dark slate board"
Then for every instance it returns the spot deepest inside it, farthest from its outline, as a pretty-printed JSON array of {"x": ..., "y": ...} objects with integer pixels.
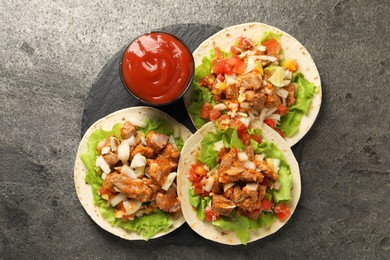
[{"x": 108, "y": 95}]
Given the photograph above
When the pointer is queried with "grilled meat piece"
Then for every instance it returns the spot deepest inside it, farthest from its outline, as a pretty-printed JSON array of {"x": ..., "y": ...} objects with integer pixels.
[
  {"x": 111, "y": 159},
  {"x": 238, "y": 173},
  {"x": 160, "y": 168},
  {"x": 143, "y": 150},
  {"x": 108, "y": 143},
  {"x": 139, "y": 189},
  {"x": 251, "y": 80},
  {"x": 256, "y": 99},
  {"x": 128, "y": 130},
  {"x": 290, "y": 100},
  {"x": 228, "y": 159},
  {"x": 250, "y": 152},
  {"x": 222, "y": 205},
  {"x": 266, "y": 170},
  {"x": 171, "y": 153},
  {"x": 156, "y": 141},
  {"x": 168, "y": 201}
]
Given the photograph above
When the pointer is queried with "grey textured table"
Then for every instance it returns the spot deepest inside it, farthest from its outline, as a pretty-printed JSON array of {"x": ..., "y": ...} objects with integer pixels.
[{"x": 51, "y": 53}]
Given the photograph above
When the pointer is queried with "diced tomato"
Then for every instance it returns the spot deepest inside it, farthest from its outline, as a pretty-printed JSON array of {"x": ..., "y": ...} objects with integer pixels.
[
  {"x": 210, "y": 214},
  {"x": 207, "y": 81},
  {"x": 282, "y": 212},
  {"x": 244, "y": 136},
  {"x": 282, "y": 109},
  {"x": 218, "y": 67},
  {"x": 257, "y": 138},
  {"x": 240, "y": 67},
  {"x": 234, "y": 51},
  {"x": 205, "y": 111},
  {"x": 279, "y": 132},
  {"x": 237, "y": 123},
  {"x": 266, "y": 204},
  {"x": 232, "y": 61},
  {"x": 273, "y": 47},
  {"x": 270, "y": 122},
  {"x": 253, "y": 215},
  {"x": 227, "y": 69},
  {"x": 103, "y": 191},
  {"x": 214, "y": 114},
  {"x": 194, "y": 176},
  {"x": 245, "y": 43}
]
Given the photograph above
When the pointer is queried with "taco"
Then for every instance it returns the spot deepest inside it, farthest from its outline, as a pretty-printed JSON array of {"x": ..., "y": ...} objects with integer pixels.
[
  {"x": 257, "y": 73},
  {"x": 125, "y": 173},
  {"x": 235, "y": 191}
]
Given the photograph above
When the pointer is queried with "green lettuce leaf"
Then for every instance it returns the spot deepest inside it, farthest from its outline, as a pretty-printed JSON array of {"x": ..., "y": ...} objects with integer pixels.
[
  {"x": 289, "y": 123},
  {"x": 207, "y": 153},
  {"x": 238, "y": 224},
  {"x": 148, "y": 225},
  {"x": 159, "y": 125}
]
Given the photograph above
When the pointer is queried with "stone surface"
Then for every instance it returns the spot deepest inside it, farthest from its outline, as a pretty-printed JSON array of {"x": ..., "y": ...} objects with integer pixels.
[{"x": 52, "y": 51}]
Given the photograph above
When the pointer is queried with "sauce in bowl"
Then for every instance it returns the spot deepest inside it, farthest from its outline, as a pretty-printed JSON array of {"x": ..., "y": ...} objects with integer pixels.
[{"x": 157, "y": 68}]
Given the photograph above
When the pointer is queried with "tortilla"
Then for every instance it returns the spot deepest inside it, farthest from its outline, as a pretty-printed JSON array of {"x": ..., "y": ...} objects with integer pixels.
[
  {"x": 292, "y": 49},
  {"x": 83, "y": 189},
  {"x": 205, "y": 228}
]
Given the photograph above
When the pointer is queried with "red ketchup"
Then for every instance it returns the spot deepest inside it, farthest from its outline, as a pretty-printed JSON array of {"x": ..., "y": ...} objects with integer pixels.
[{"x": 157, "y": 68}]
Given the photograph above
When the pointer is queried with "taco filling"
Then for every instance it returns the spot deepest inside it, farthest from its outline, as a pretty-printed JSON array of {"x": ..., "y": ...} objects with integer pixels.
[
  {"x": 240, "y": 184},
  {"x": 253, "y": 81},
  {"x": 132, "y": 171}
]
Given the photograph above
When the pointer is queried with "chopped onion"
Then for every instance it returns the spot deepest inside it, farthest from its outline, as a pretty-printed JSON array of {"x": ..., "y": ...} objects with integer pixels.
[
  {"x": 270, "y": 111},
  {"x": 131, "y": 206},
  {"x": 242, "y": 114},
  {"x": 140, "y": 171},
  {"x": 103, "y": 164},
  {"x": 228, "y": 185},
  {"x": 276, "y": 163},
  {"x": 283, "y": 101},
  {"x": 220, "y": 106},
  {"x": 261, "y": 48},
  {"x": 251, "y": 186},
  {"x": 243, "y": 54},
  {"x": 104, "y": 176},
  {"x": 266, "y": 57},
  {"x": 250, "y": 65},
  {"x": 265, "y": 83},
  {"x": 218, "y": 146},
  {"x": 124, "y": 153},
  {"x": 105, "y": 150},
  {"x": 242, "y": 156},
  {"x": 281, "y": 92},
  {"x": 130, "y": 140},
  {"x": 208, "y": 184},
  {"x": 138, "y": 161},
  {"x": 259, "y": 157},
  {"x": 137, "y": 122},
  {"x": 129, "y": 172},
  {"x": 117, "y": 199},
  {"x": 171, "y": 177},
  {"x": 112, "y": 143},
  {"x": 245, "y": 120},
  {"x": 287, "y": 74},
  {"x": 275, "y": 117},
  {"x": 249, "y": 165},
  {"x": 262, "y": 114}
]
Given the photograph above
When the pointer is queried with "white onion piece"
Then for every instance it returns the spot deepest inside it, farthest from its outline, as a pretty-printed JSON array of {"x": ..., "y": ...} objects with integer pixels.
[
  {"x": 275, "y": 117},
  {"x": 242, "y": 114},
  {"x": 171, "y": 177},
  {"x": 124, "y": 153},
  {"x": 270, "y": 111},
  {"x": 259, "y": 157},
  {"x": 245, "y": 120},
  {"x": 283, "y": 101},
  {"x": 242, "y": 156},
  {"x": 228, "y": 185},
  {"x": 281, "y": 92},
  {"x": 276, "y": 163},
  {"x": 138, "y": 122},
  {"x": 104, "y": 176},
  {"x": 261, "y": 48},
  {"x": 262, "y": 114},
  {"x": 172, "y": 141},
  {"x": 103, "y": 164},
  {"x": 129, "y": 172},
  {"x": 112, "y": 143},
  {"x": 249, "y": 165},
  {"x": 105, "y": 150},
  {"x": 266, "y": 57},
  {"x": 220, "y": 106},
  {"x": 251, "y": 186},
  {"x": 265, "y": 83},
  {"x": 130, "y": 141},
  {"x": 218, "y": 146},
  {"x": 140, "y": 171},
  {"x": 131, "y": 206},
  {"x": 138, "y": 161},
  {"x": 250, "y": 65},
  {"x": 117, "y": 199},
  {"x": 287, "y": 74},
  {"x": 243, "y": 54},
  {"x": 208, "y": 184}
]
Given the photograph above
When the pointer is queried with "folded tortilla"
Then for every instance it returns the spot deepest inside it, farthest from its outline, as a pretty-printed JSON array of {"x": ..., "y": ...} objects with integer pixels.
[
  {"x": 292, "y": 49},
  {"x": 83, "y": 189},
  {"x": 205, "y": 228}
]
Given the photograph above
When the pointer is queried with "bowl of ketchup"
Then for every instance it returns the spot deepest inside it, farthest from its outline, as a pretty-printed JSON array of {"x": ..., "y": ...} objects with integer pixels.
[{"x": 157, "y": 68}]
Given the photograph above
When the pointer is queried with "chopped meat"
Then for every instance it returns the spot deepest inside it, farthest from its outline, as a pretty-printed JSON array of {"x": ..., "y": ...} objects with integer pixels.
[
  {"x": 251, "y": 80},
  {"x": 272, "y": 100},
  {"x": 250, "y": 152},
  {"x": 236, "y": 195},
  {"x": 111, "y": 159},
  {"x": 222, "y": 205},
  {"x": 229, "y": 192},
  {"x": 159, "y": 169},
  {"x": 250, "y": 199},
  {"x": 232, "y": 90},
  {"x": 217, "y": 187},
  {"x": 290, "y": 100},
  {"x": 128, "y": 130},
  {"x": 139, "y": 189},
  {"x": 222, "y": 152},
  {"x": 156, "y": 141},
  {"x": 171, "y": 153},
  {"x": 256, "y": 99},
  {"x": 238, "y": 173},
  {"x": 228, "y": 159},
  {"x": 168, "y": 201},
  {"x": 143, "y": 150},
  {"x": 266, "y": 170},
  {"x": 107, "y": 143}
]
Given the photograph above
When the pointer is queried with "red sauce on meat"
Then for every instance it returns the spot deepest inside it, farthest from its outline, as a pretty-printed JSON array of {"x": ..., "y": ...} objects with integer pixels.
[{"x": 156, "y": 67}]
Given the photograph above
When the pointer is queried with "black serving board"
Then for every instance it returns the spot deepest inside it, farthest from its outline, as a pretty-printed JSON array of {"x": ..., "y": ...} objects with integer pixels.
[{"x": 108, "y": 95}]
